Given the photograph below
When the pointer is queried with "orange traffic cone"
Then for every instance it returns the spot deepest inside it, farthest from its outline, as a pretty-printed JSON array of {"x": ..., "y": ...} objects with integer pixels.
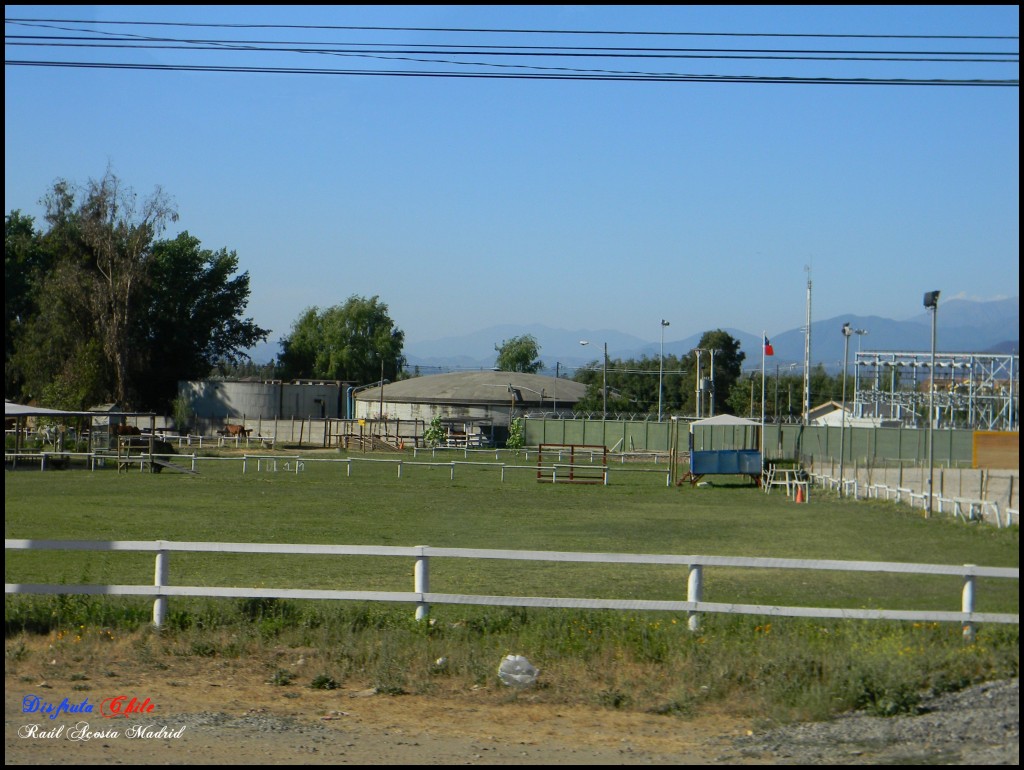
[{"x": 799, "y": 494}]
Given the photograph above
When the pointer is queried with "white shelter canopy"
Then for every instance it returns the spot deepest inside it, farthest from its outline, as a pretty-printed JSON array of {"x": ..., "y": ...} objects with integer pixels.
[
  {"x": 21, "y": 410},
  {"x": 724, "y": 419}
]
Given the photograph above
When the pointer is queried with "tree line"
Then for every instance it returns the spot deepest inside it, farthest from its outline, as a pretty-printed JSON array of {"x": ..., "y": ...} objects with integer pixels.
[
  {"x": 101, "y": 308},
  {"x": 653, "y": 385}
]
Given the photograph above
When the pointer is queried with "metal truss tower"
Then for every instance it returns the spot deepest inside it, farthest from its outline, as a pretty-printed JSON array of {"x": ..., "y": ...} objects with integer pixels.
[{"x": 972, "y": 390}]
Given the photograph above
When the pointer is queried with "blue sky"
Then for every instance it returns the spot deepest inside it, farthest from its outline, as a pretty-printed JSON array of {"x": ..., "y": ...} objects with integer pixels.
[{"x": 470, "y": 202}]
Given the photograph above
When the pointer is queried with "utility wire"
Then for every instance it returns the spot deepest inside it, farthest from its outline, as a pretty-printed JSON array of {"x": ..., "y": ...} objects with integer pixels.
[
  {"x": 377, "y": 51},
  {"x": 510, "y": 31},
  {"x": 693, "y": 53},
  {"x": 677, "y": 78}
]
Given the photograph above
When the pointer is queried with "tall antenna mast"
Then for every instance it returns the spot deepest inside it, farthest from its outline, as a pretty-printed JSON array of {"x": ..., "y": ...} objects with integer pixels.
[{"x": 807, "y": 352}]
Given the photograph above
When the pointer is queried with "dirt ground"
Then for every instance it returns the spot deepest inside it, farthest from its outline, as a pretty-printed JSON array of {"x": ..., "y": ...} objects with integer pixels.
[
  {"x": 233, "y": 716},
  {"x": 223, "y": 712}
]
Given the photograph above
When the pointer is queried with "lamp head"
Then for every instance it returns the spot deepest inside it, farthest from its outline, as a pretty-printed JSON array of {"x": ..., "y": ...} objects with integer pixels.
[
  {"x": 931, "y": 299},
  {"x": 847, "y": 331}
]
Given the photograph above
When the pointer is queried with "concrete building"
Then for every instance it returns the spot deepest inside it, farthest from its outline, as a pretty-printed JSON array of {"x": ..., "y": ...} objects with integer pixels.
[
  {"x": 267, "y": 400},
  {"x": 480, "y": 403}
]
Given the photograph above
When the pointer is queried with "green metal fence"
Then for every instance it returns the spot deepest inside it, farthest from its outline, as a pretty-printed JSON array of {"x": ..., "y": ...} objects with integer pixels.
[{"x": 952, "y": 447}]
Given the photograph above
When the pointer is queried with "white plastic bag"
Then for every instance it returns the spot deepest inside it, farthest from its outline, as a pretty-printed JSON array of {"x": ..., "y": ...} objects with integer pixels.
[{"x": 517, "y": 671}]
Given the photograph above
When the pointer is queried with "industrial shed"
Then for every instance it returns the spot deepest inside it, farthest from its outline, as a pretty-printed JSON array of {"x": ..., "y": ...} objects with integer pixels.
[{"x": 480, "y": 402}]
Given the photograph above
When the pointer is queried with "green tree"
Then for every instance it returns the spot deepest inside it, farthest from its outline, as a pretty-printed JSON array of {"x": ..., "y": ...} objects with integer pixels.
[
  {"x": 105, "y": 311},
  {"x": 519, "y": 354},
  {"x": 516, "y": 434},
  {"x": 435, "y": 434},
  {"x": 118, "y": 233},
  {"x": 190, "y": 320},
  {"x": 744, "y": 398},
  {"x": 355, "y": 342},
  {"x": 728, "y": 363},
  {"x": 58, "y": 355},
  {"x": 25, "y": 262}
]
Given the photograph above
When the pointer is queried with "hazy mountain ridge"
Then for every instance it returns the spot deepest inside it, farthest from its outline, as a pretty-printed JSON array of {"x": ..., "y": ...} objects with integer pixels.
[{"x": 962, "y": 326}]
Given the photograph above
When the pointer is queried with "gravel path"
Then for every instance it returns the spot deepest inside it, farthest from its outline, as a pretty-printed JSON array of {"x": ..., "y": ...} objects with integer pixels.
[{"x": 977, "y": 726}]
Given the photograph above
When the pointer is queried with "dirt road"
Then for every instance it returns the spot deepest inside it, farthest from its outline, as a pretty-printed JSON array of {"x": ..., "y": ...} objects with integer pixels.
[{"x": 193, "y": 711}]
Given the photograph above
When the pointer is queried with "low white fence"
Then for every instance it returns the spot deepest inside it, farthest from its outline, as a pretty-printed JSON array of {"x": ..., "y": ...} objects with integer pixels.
[
  {"x": 423, "y": 597},
  {"x": 966, "y": 508},
  {"x": 295, "y": 463}
]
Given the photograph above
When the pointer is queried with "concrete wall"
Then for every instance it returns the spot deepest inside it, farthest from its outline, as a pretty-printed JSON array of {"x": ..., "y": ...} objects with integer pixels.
[{"x": 212, "y": 399}]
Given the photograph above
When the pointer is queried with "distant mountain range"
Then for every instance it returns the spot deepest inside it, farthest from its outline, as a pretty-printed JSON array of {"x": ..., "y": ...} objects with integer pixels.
[{"x": 962, "y": 326}]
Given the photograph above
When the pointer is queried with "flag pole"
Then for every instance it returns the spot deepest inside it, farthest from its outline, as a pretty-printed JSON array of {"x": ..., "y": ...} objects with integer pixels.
[{"x": 764, "y": 351}]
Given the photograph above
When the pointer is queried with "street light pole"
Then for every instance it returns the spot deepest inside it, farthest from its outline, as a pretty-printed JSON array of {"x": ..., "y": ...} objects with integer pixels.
[
  {"x": 847, "y": 331},
  {"x": 711, "y": 401},
  {"x": 604, "y": 385},
  {"x": 931, "y": 302},
  {"x": 661, "y": 365},
  {"x": 604, "y": 380}
]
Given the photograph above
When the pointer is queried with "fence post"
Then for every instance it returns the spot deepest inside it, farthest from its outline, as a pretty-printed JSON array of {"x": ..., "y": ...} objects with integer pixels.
[
  {"x": 160, "y": 580},
  {"x": 421, "y": 582},
  {"x": 967, "y": 605},
  {"x": 694, "y": 593}
]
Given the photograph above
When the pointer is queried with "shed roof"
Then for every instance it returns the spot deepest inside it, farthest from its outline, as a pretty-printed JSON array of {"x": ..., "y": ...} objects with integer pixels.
[
  {"x": 726, "y": 419},
  {"x": 12, "y": 409},
  {"x": 479, "y": 387}
]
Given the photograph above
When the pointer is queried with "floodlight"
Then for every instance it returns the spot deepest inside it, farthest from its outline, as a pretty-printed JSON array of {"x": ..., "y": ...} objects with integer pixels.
[{"x": 931, "y": 299}]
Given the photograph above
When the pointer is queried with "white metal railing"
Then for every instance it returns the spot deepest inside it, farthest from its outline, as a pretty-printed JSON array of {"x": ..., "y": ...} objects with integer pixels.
[
  {"x": 295, "y": 463},
  {"x": 966, "y": 508},
  {"x": 423, "y": 597}
]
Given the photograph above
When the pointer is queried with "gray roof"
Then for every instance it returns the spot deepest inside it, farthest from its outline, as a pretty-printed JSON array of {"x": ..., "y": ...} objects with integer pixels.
[
  {"x": 12, "y": 409},
  {"x": 486, "y": 387}
]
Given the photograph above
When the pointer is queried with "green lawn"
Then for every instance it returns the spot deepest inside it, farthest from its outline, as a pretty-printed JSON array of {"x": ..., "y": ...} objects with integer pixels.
[
  {"x": 635, "y": 513},
  {"x": 783, "y": 668}
]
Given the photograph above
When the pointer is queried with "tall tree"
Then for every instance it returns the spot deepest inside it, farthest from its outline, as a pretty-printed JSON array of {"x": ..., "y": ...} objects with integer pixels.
[
  {"x": 116, "y": 235},
  {"x": 191, "y": 319},
  {"x": 101, "y": 310},
  {"x": 58, "y": 354},
  {"x": 519, "y": 354},
  {"x": 25, "y": 261},
  {"x": 728, "y": 362},
  {"x": 354, "y": 342}
]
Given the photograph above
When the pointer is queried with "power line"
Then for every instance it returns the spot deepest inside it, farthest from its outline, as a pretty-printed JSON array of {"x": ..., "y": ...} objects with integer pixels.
[
  {"x": 430, "y": 55},
  {"x": 625, "y": 77},
  {"x": 604, "y": 53},
  {"x": 511, "y": 31}
]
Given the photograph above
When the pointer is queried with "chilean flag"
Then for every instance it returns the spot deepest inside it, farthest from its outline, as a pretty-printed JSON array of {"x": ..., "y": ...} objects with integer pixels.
[{"x": 768, "y": 349}]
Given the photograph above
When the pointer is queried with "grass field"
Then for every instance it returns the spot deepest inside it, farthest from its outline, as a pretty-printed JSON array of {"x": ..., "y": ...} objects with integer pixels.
[{"x": 635, "y": 513}]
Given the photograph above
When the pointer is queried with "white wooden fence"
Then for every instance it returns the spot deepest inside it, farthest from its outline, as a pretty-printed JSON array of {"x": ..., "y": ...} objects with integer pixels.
[
  {"x": 295, "y": 463},
  {"x": 966, "y": 508},
  {"x": 423, "y": 597}
]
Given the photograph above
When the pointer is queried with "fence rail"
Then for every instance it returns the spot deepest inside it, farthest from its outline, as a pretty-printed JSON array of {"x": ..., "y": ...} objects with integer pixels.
[
  {"x": 966, "y": 508},
  {"x": 423, "y": 597},
  {"x": 295, "y": 463}
]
